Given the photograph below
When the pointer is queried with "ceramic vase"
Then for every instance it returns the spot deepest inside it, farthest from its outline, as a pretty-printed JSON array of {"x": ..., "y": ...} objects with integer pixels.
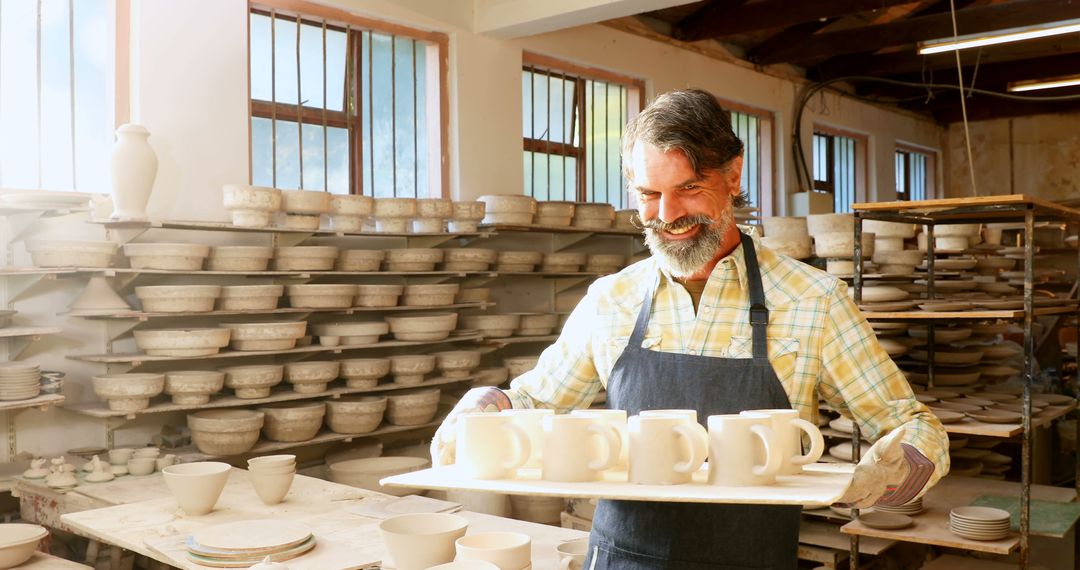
[{"x": 134, "y": 166}]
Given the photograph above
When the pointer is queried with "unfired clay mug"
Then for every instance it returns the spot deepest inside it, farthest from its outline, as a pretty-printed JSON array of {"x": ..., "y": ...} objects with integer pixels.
[
  {"x": 490, "y": 446},
  {"x": 689, "y": 414},
  {"x": 787, "y": 424},
  {"x": 617, "y": 420},
  {"x": 743, "y": 450},
  {"x": 569, "y": 454},
  {"x": 665, "y": 450},
  {"x": 572, "y": 553},
  {"x": 531, "y": 420}
]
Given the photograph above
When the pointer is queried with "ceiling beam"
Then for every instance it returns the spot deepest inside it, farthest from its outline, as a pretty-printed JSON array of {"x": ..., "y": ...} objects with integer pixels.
[
  {"x": 795, "y": 34},
  {"x": 946, "y": 106},
  {"x": 995, "y": 74},
  {"x": 910, "y": 31},
  {"x": 729, "y": 17},
  {"x": 507, "y": 19}
]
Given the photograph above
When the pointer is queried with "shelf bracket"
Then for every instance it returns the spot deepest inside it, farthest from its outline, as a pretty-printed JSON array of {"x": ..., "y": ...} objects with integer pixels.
[
  {"x": 18, "y": 285},
  {"x": 12, "y": 435},
  {"x": 564, "y": 283},
  {"x": 113, "y": 423},
  {"x": 428, "y": 241},
  {"x": 290, "y": 239},
  {"x": 116, "y": 328},
  {"x": 17, "y": 345},
  {"x": 124, "y": 235},
  {"x": 20, "y": 222},
  {"x": 560, "y": 242}
]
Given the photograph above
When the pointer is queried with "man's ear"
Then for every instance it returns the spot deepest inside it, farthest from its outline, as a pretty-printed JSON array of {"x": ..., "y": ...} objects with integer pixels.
[{"x": 733, "y": 175}]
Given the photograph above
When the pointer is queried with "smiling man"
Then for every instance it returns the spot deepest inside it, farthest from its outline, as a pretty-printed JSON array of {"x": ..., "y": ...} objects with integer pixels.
[{"x": 716, "y": 323}]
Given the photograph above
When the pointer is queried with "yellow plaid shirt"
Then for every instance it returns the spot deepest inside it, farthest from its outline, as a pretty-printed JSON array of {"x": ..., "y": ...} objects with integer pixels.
[{"x": 819, "y": 345}]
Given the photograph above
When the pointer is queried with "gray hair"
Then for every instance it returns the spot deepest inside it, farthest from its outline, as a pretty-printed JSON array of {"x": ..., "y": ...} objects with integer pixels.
[{"x": 688, "y": 120}]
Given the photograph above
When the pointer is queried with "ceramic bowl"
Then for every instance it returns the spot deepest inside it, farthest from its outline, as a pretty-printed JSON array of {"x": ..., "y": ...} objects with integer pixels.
[
  {"x": 178, "y": 298},
  {"x": 817, "y": 224},
  {"x": 355, "y": 415},
  {"x": 366, "y": 473},
  {"x": 462, "y": 226},
  {"x": 250, "y": 297},
  {"x": 473, "y": 295},
  {"x": 244, "y": 197},
  {"x": 518, "y": 260},
  {"x": 471, "y": 211},
  {"x": 360, "y": 259},
  {"x": 429, "y": 295},
  {"x": 457, "y": 363},
  {"x": 422, "y": 540},
  {"x": 625, "y": 220},
  {"x": 410, "y": 369},
  {"x": 253, "y": 381},
  {"x": 141, "y": 465},
  {"x": 884, "y": 229},
  {"x": 64, "y": 253},
  {"x": 422, "y": 326},
  {"x": 509, "y": 218},
  {"x": 413, "y": 259},
  {"x": 18, "y": 542},
  {"x": 395, "y": 208},
  {"x": 795, "y": 247},
  {"x": 353, "y": 333},
  {"x": 197, "y": 486},
  {"x": 311, "y": 376},
  {"x": 292, "y": 422},
  {"x": 841, "y": 245},
  {"x": 564, "y": 262},
  {"x": 492, "y": 326},
  {"x": 305, "y": 258},
  {"x": 181, "y": 342},
  {"x": 128, "y": 392},
  {"x": 784, "y": 226},
  {"x": 508, "y": 203},
  {"x": 348, "y": 224},
  {"x": 434, "y": 208},
  {"x": 518, "y": 365},
  {"x": 492, "y": 376},
  {"x": 364, "y": 372},
  {"x": 537, "y": 324},
  {"x": 378, "y": 295},
  {"x": 272, "y": 335},
  {"x": 469, "y": 259},
  {"x": 412, "y": 408},
  {"x": 305, "y": 202},
  {"x": 239, "y": 258},
  {"x": 168, "y": 256},
  {"x": 193, "y": 387},
  {"x": 321, "y": 296},
  {"x": 225, "y": 432},
  {"x": 351, "y": 205},
  {"x": 550, "y": 210}
]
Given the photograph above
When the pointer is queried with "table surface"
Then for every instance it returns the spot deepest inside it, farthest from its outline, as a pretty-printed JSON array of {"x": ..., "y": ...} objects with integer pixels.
[
  {"x": 42, "y": 561},
  {"x": 156, "y": 527}
]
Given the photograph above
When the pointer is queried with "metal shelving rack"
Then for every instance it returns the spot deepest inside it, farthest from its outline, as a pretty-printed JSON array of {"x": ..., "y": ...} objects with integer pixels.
[{"x": 1010, "y": 208}]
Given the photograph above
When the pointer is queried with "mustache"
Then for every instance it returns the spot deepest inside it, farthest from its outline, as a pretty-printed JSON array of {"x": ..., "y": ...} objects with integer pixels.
[{"x": 659, "y": 225}]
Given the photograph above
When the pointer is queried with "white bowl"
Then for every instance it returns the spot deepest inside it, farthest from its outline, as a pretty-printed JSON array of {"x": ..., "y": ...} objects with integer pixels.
[
  {"x": 429, "y": 295},
  {"x": 434, "y": 208},
  {"x": 311, "y": 376},
  {"x": 292, "y": 422},
  {"x": 178, "y": 298},
  {"x": 492, "y": 326},
  {"x": 366, "y": 473},
  {"x": 18, "y": 542},
  {"x": 518, "y": 365},
  {"x": 508, "y": 204},
  {"x": 412, "y": 408},
  {"x": 411, "y": 368},
  {"x": 128, "y": 392},
  {"x": 181, "y": 342},
  {"x": 378, "y": 295},
  {"x": 197, "y": 486},
  {"x": 69, "y": 253},
  {"x": 271, "y": 335},
  {"x": 249, "y": 297},
  {"x": 351, "y": 205},
  {"x": 395, "y": 208},
  {"x": 353, "y": 332},
  {"x": 168, "y": 256},
  {"x": 360, "y": 259},
  {"x": 253, "y": 381},
  {"x": 422, "y": 326},
  {"x": 457, "y": 363},
  {"x": 305, "y": 202},
  {"x": 321, "y": 296},
  {"x": 355, "y": 415},
  {"x": 469, "y": 211},
  {"x": 239, "y": 258},
  {"x": 225, "y": 432},
  {"x": 193, "y": 387},
  {"x": 364, "y": 372},
  {"x": 305, "y": 258}
]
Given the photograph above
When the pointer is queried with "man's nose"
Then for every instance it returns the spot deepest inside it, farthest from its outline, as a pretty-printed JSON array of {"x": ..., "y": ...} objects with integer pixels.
[{"x": 671, "y": 208}]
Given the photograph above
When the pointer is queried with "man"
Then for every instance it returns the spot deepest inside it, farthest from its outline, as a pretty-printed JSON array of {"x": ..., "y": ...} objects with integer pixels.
[{"x": 716, "y": 323}]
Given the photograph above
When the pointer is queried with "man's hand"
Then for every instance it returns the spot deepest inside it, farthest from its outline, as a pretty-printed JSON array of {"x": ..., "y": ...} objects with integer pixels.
[
  {"x": 882, "y": 468},
  {"x": 486, "y": 399}
]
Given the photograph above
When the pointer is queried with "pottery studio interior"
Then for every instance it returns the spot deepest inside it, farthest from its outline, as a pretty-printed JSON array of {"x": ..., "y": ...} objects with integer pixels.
[{"x": 523, "y": 285}]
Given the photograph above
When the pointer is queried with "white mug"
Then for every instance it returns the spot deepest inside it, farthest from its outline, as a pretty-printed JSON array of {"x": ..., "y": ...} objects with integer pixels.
[
  {"x": 531, "y": 420},
  {"x": 689, "y": 414},
  {"x": 742, "y": 450},
  {"x": 490, "y": 446},
  {"x": 665, "y": 450},
  {"x": 617, "y": 420},
  {"x": 572, "y": 553},
  {"x": 569, "y": 454},
  {"x": 787, "y": 424}
]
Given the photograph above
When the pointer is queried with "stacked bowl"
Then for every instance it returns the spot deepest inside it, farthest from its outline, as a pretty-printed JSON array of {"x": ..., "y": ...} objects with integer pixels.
[
  {"x": 271, "y": 476},
  {"x": 979, "y": 523},
  {"x": 19, "y": 381}
]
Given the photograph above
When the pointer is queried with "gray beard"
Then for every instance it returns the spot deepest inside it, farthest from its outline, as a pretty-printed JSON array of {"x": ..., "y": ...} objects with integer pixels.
[{"x": 683, "y": 258}]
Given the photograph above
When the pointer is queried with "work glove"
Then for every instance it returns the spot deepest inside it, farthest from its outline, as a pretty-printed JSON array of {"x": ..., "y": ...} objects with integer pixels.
[
  {"x": 879, "y": 472},
  {"x": 485, "y": 399}
]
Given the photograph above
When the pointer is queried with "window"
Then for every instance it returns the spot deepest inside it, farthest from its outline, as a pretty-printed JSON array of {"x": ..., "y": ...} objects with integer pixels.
[
  {"x": 839, "y": 167},
  {"x": 914, "y": 174},
  {"x": 573, "y": 119},
  {"x": 56, "y": 111},
  {"x": 345, "y": 104},
  {"x": 754, "y": 129}
]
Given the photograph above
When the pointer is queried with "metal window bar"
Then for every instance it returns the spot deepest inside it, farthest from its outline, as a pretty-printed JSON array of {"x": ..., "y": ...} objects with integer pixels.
[
  {"x": 71, "y": 98},
  {"x": 299, "y": 107}
]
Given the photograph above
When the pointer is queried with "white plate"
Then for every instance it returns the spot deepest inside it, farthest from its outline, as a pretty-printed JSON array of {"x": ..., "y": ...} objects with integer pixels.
[
  {"x": 885, "y": 521},
  {"x": 46, "y": 199}
]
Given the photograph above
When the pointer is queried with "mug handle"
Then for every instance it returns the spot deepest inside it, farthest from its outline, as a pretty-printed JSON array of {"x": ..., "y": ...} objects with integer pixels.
[
  {"x": 522, "y": 447},
  {"x": 610, "y": 437},
  {"x": 697, "y": 441},
  {"x": 565, "y": 563},
  {"x": 817, "y": 443},
  {"x": 773, "y": 459}
]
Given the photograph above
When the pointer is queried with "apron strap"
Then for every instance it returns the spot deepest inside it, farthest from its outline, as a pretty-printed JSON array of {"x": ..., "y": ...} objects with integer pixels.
[
  {"x": 759, "y": 314},
  {"x": 638, "y": 336}
]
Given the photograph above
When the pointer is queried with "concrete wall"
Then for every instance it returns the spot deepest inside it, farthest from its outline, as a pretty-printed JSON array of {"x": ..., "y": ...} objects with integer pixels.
[{"x": 1037, "y": 155}]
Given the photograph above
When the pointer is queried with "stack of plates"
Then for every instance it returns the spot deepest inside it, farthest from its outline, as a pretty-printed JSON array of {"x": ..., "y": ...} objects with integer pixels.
[
  {"x": 979, "y": 523},
  {"x": 244, "y": 543},
  {"x": 19, "y": 381},
  {"x": 913, "y": 508}
]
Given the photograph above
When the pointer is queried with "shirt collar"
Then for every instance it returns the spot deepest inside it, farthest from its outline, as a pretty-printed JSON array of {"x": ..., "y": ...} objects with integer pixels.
[{"x": 734, "y": 261}]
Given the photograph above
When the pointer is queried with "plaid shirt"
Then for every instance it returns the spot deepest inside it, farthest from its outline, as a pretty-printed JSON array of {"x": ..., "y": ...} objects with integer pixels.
[{"x": 819, "y": 345}]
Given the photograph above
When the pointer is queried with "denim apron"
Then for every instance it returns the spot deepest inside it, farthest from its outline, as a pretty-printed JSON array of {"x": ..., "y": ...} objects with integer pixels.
[{"x": 636, "y": 535}]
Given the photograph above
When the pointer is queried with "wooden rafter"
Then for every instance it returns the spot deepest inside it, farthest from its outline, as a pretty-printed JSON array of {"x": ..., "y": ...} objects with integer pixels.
[{"x": 729, "y": 17}]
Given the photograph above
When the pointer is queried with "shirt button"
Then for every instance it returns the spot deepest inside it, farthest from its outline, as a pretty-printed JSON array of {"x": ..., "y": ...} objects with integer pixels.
[{"x": 706, "y": 310}]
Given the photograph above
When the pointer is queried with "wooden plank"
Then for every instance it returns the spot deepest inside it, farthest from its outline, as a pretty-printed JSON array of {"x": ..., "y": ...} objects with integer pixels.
[
  {"x": 820, "y": 484},
  {"x": 932, "y": 525},
  {"x": 10, "y": 332},
  {"x": 557, "y": 229},
  {"x": 816, "y": 533},
  {"x": 954, "y": 562},
  {"x": 963, "y": 315},
  {"x": 141, "y": 315},
  {"x": 719, "y": 19},
  {"x": 43, "y": 561},
  {"x": 942, "y": 205},
  {"x": 228, "y": 227}
]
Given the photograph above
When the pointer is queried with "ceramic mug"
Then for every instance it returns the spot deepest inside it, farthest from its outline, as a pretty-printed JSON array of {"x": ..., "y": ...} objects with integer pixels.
[
  {"x": 490, "y": 446},
  {"x": 787, "y": 424},
  {"x": 617, "y": 420},
  {"x": 569, "y": 454},
  {"x": 419, "y": 541},
  {"x": 743, "y": 450},
  {"x": 531, "y": 420},
  {"x": 572, "y": 553},
  {"x": 665, "y": 450},
  {"x": 507, "y": 550},
  {"x": 689, "y": 414}
]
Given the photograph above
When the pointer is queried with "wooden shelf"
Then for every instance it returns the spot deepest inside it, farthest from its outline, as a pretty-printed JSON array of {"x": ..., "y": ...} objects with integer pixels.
[
  {"x": 15, "y": 271},
  {"x": 968, "y": 426},
  {"x": 500, "y": 342},
  {"x": 228, "y": 227},
  {"x": 965, "y": 315},
  {"x": 954, "y": 562},
  {"x": 190, "y": 454},
  {"x": 13, "y": 332},
  {"x": 557, "y": 229},
  {"x": 281, "y": 394},
  {"x": 1007, "y": 207},
  {"x": 142, "y": 315},
  {"x": 932, "y": 525},
  {"x": 42, "y": 402},
  {"x": 137, "y": 358}
]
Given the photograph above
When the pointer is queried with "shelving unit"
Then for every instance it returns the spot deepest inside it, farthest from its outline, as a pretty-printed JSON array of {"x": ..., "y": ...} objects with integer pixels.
[{"x": 1014, "y": 208}]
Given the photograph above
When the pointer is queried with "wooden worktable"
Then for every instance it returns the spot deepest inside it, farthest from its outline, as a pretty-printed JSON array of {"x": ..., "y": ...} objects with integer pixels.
[
  {"x": 155, "y": 527},
  {"x": 42, "y": 561}
]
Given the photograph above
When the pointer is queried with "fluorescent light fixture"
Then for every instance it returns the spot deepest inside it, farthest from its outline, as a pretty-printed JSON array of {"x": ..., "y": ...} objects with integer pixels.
[
  {"x": 1033, "y": 85},
  {"x": 1000, "y": 37}
]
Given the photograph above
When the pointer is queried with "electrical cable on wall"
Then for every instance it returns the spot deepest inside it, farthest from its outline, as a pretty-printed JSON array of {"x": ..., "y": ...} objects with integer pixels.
[{"x": 963, "y": 100}]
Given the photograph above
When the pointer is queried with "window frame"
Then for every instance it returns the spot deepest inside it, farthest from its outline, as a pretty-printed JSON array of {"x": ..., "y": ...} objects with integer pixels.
[
  {"x": 341, "y": 20},
  {"x": 931, "y": 167},
  {"x": 860, "y": 156},
  {"x": 766, "y": 160},
  {"x": 554, "y": 67}
]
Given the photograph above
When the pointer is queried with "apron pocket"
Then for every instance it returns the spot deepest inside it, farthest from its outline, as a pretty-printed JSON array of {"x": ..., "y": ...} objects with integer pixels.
[
  {"x": 782, "y": 352},
  {"x": 606, "y": 556}
]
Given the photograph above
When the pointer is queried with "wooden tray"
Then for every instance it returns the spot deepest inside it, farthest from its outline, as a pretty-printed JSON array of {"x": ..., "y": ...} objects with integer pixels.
[{"x": 820, "y": 485}]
